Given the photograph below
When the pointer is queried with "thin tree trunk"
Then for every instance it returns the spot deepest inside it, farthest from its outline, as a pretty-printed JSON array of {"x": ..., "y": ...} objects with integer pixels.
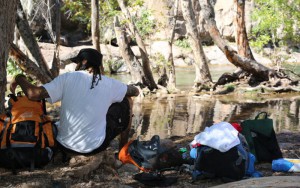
[
  {"x": 248, "y": 65},
  {"x": 146, "y": 62},
  {"x": 132, "y": 62},
  {"x": 7, "y": 26},
  {"x": 202, "y": 71},
  {"x": 56, "y": 60},
  {"x": 241, "y": 36},
  {"x": 26, "y": 65},
  {"x": 95, "y": 25},
  {"x": 16, "y": 37},
  {"x": 30, "y": 41},
  {"x": 172, "y": 75}
]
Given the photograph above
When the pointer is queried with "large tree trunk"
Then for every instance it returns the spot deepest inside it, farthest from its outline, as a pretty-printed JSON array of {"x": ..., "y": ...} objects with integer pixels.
[
  {"x": 251, "y": 66},
  {"x": 30, "y": 41},
  {"x": 132, "y": 62},
  {"x": 95, "y": 25},
  {"x": 7, "y": 26},
  {"x": 56, "y": 60},
  {"x": 202, "y": 71},
  {"x": 241, "y": 33},
  {"x": 242, "y": 45},
  {"x": 146, "y": 62},
  {"x": 171, "y": 66}
]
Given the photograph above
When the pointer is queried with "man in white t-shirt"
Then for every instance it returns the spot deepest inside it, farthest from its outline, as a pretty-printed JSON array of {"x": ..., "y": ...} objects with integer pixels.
[{"x": 94, "y": 108}]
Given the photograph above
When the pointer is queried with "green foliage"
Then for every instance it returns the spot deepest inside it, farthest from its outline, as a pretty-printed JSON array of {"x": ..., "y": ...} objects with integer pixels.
[
  {"x": 277, "y": 21},
  {"x": 108, "y": 10},
  {"x": 183, "y": 43},
  {"x": 112, "y": 65},
  {"x": 159, "y": 59},
  {"x": 79, "y": 11},
  {"x": 12, "y": 68},
  {"x": 260, "y": 41},
  {"x": 230, "y": 87},
  {"x": 145, "y": 23},
  {"x": 133, "y": 3}
]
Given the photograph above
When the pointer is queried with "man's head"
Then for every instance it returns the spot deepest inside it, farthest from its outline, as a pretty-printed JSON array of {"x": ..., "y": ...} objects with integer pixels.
[
  {"x": 93, "y": 59},
  {"x": 89, "y": 58}
]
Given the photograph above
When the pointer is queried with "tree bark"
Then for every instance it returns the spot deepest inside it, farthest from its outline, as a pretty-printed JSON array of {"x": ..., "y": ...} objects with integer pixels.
[
  {"x": 132, "y": 62},
  {"x": 241, "y": 33},
  {"x": 146, "y": 62},
  {"x": 56, "y": 60},
  {"x": 171, "y": 66},
  {"x": 95, "y": 25},
  {"x": 248, "y": 65},
  {"x": 7, "y": 25},
  {"x": 26, "y": 65},
  {"x": 242, "y": 45},
  {"x": 30, "y": 41},
  {"x": 202, "y": 70}
]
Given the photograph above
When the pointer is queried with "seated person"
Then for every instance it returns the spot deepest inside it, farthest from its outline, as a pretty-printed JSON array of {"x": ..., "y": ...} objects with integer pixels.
[{"x": 94, "y": 108}]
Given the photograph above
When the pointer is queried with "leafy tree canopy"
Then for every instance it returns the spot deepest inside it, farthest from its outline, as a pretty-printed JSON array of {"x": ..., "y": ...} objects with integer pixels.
[{"x": 277, "y": 21}]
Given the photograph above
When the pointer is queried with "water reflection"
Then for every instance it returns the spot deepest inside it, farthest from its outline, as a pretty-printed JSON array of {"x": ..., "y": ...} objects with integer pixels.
[{"x": 182, "y": 115}]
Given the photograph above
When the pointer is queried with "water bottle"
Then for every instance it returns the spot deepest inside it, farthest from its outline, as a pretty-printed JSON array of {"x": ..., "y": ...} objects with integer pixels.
[
  {"x": 185, "y": 156},
  {"x": 286, "y": 165}
]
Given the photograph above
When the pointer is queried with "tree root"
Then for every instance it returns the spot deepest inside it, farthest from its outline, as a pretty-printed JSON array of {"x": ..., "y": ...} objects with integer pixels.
[
  {"x": 92, "y": 163},
  {"x": 274, "y": 89}
]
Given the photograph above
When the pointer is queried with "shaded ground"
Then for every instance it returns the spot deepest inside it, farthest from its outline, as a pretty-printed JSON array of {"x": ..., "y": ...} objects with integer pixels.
[{"x": 107, "y": 172}]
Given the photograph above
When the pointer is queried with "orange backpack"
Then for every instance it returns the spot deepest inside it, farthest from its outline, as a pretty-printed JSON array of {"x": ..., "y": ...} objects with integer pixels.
[{"x": 27, "y": 134}]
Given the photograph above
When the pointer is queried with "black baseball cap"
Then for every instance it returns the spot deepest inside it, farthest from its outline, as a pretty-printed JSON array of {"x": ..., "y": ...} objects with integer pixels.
[{"x": 93, "y": 57}]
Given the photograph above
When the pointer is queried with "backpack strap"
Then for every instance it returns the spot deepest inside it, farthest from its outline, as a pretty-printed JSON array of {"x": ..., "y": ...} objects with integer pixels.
[
  {"x": 196, "y": 174},
  {"x": 3, "y": 130},
  {"x": 41, "y": 131},
  {"x": 44, "y": 106},
  {"x": 8, "y": 143},
  {"x": 260, "y": 113}
]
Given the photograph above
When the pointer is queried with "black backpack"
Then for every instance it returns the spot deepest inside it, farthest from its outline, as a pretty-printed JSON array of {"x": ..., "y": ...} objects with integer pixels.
[
  {"x": 229, "y": 166},
  {"x": 152, "y": 155}
]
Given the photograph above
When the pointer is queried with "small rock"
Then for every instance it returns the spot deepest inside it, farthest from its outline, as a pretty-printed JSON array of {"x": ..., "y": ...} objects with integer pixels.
[
  {"x": 128, "y": 168},
  {"x": 118, "y": 164}
]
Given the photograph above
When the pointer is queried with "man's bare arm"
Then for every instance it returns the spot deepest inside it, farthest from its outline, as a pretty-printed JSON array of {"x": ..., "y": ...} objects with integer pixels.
[
  {"x": 132, "y": 91},
  {"x": 31, "y": 91}
]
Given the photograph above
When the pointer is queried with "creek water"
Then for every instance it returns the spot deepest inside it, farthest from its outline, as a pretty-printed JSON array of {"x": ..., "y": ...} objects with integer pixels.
[{"x": 180, "y": 115}]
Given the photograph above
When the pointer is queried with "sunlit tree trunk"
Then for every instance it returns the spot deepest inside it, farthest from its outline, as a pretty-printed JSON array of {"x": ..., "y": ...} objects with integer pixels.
[
  {"x": 131, "y": 61},
  {"x": 242, "y": 42},
  {"x": 171, "y": 66},
  {"x": 251, "y": 66},
  {"x": 56, "y": 60},
  {"x": 203, "y": 76},
  {"x": 7, "y": 26},
  {"x": 145, "y": 59},
  {"x": 241, "y": 33},
  {"x": 95, "y": 24},
  {"x": 30, "y": 41}
]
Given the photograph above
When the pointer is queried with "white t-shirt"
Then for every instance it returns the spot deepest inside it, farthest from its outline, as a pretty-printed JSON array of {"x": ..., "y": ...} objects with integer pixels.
[{"x": 83, "y": 112}]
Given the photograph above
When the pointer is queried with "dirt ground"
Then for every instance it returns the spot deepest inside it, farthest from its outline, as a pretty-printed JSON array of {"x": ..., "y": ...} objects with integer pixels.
[{"x": 104, "y": 170}]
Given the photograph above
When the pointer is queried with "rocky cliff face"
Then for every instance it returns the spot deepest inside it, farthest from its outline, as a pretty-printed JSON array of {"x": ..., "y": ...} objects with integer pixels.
[
  {"x": 224, "y": 15},
  {"x": 162, "y": 11}
]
